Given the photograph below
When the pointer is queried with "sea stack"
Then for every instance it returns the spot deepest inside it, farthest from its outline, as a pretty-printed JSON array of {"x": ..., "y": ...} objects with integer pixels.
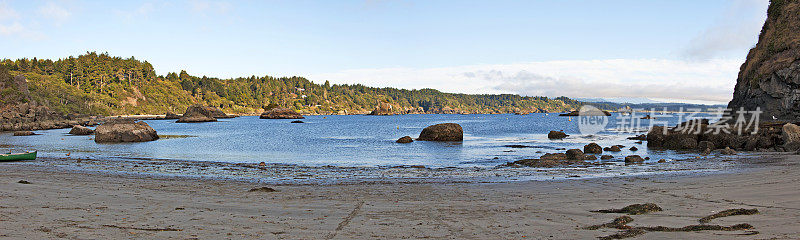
[
  {"x": 281, "y": 113},
  {"x": 124, "y": 130},
  {"x": 770, "y": 76},
  {"x": 446, "y": 132}
]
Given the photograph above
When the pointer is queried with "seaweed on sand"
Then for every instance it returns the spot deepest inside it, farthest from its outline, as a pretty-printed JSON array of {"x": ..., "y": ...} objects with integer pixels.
[
  {"x": 729, "y": 212},
  {"x": 634, "y": 209},
  {"x": 628, "y": 231}
]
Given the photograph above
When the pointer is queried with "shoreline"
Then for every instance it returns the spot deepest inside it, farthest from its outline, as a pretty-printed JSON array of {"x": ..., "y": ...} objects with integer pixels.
[{"x": 66, "y": 204}]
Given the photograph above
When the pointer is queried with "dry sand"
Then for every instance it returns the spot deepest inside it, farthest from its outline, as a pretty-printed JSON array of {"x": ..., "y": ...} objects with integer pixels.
[{"x": 88, "y": 205}]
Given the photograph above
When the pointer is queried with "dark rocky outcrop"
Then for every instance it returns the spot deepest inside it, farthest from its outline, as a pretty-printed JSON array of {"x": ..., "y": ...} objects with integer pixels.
[
  {"x": 124, "y": 130},
  {"x": 606, "y": 157},
  {"x": 18, "y": 112},
  {"x": 700, "y": 135},
  {"x": 406, "y": 139},
  {"x": 81, "y": 130},
  {"x": 592, "y": 148},
  {"x": 442, "y": 132},
  {"x": 556, "y": 135},
  {"x": 634, "y": 149},
  {"x": 199, "y": 113},
  {"x": 770, "y": 77},
  {"x": 281, "y": 113},
  {"x": 297, "y": 121}
]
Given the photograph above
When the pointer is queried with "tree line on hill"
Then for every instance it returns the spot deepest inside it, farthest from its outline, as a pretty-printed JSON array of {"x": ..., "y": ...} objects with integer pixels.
[{"x": 100, "y": 84}]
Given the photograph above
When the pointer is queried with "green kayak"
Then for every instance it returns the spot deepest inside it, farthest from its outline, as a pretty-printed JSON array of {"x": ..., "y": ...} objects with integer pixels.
[{"x": 18, "y": 156}]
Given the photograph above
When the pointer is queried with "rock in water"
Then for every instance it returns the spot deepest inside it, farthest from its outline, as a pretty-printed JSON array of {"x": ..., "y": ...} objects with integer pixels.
[
  {"x": 298, "y": 121},
  {"x": 281, "y": 113},
  {"x": 574, "y": 154},
  {"x": 198, "y": 113},
  {"x": 556, "y": 135},
  {"x": 81, "y": 130},
  {"x": 727, "y": 151},
  {"x": 634, "y": 159},
  {"x": 442, "y": 132},
  {"x": 703, "y": 145},
  {"x": 606, "y": 157},
  {"x": 124, "y": 130},
  {"x": 770, "y": 76},
  {"x": 172, "y": 116},
  {"x": 23, "y": 133},
  {"x": 592, "y": 148},
  {"x": 406, "y": 139}
]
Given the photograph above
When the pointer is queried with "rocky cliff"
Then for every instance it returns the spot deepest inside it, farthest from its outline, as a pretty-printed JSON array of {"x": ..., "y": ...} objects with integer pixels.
[{"x": 770, "y": 77}]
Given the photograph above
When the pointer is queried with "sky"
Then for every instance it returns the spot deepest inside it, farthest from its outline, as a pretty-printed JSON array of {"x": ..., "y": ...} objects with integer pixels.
[{"x": 680, "y": 50}]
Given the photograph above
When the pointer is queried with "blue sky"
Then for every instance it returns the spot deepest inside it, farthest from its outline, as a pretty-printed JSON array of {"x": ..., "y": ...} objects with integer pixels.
[{"x": 528, "y": 47}]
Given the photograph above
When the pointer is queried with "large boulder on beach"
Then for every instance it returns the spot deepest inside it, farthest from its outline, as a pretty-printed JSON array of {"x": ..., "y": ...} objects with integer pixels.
[
  {"x": 124, "y": 130},
  {"x": 791, "y": 137},
  {"x": 281, "y": 113},
  {"x": 442, "y": 132},
  {"x": 81, "y": 130},
  {"x": 198, "y": 113},
  {"x": 556, "y": 135},
  {"x": 592, "y": 148}
]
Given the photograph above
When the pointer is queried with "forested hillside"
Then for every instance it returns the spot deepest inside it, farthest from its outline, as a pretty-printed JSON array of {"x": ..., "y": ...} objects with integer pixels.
[{"x": 102, "y": 84}]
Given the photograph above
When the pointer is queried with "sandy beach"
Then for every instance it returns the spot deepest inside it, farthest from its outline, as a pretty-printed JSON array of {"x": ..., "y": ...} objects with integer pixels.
[{"x": 60, "y": 203}]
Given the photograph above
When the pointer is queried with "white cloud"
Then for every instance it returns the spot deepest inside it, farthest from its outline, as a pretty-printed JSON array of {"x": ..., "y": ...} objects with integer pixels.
[
  {"x": 143, "y": 11},
  {"x": 11, "y": 29},
  {"x": 735, "y": 30},
  {"x": 711, "y": 80},
  {"x": 6, "y": 12},
  {"x": 203, "y": 7},
  {"x": 55, "y": 12}
]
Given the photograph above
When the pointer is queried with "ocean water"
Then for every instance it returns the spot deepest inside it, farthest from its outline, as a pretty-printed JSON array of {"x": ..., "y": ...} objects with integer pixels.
[{"x": 351, "y": 141}]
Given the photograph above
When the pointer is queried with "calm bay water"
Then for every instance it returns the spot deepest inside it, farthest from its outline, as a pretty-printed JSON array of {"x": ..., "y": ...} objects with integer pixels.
[{"x": 345, "y": 141}]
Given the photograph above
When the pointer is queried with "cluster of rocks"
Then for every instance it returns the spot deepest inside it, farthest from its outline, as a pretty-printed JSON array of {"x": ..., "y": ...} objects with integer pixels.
[
  {"x": 383, "y": 109},
  {"x": 281, "y": 113},
  {"x": 199, "y": 113},
  {"x": 575, "y": 157},
  {"x": 33, "y": 117},
  {"x": 701, "y": 136}
]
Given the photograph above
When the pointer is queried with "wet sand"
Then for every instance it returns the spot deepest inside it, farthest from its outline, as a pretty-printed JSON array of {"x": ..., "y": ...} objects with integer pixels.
[{"x": 61, "y": 203}]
